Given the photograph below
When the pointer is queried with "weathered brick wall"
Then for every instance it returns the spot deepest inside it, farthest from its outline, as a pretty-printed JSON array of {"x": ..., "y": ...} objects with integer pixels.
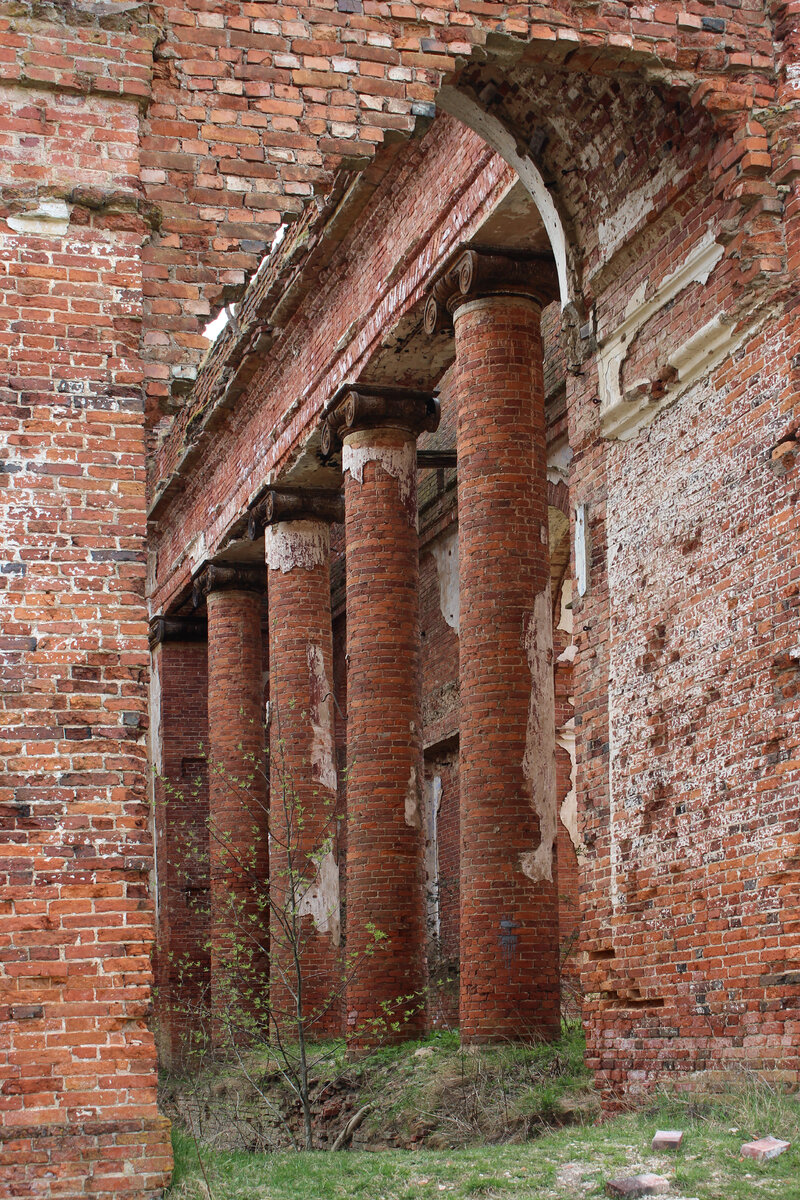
[
  {"x": 689, "y": 928},
  {"x": 679, "y": 181},
  {"x": 648, "y": 126},
  {"x": 78, "y": 1103},
  {"x": 254, "y": 110},
  {"x": 179, "y": 756}
]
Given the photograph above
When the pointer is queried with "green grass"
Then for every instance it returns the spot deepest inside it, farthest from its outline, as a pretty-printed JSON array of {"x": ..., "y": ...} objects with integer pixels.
[{"x": 567, "y": 1162}]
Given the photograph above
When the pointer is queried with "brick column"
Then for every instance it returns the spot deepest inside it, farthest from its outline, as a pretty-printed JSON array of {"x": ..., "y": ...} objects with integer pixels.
[
  {"x": 178, "y": 737},
  {"x": 379, "y": 428},
  {"x": 304, "y": 859},
  {"x": 237, "y": 789},
  {"x": 509, "y": 896}
]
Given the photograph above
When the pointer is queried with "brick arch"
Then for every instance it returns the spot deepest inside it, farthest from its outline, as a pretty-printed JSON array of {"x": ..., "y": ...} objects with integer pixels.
[{"x": 252, "y": 116}]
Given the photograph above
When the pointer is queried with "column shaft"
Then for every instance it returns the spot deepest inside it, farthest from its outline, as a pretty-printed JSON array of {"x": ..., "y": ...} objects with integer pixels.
[
  {"x": 509, "y": 902},
  {"x": 238, "y": 815},
  {"x": 304, "y": 869},
  {"x": 384, "y": 836}
]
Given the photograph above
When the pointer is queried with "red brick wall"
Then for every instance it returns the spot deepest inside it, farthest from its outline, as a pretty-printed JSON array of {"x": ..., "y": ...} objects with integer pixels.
[
  {"x": 303, "y": 779},
  {"x": 253, "y": 111},
  {"x": 509, "y": 918},
  {"x": 385, "y": 997},
  {"x": 78, "y": 1106},
  {"x": 179, "y": 748},
  {"x": 688, "y": 929},
  {"x": 238, "y": 808},
  {"x": 71, "y": 399}
]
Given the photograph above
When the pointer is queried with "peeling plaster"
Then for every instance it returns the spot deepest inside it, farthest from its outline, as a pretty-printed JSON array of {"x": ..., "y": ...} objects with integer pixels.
[
  {"x": 290, "y": 544},
  {"x": 558, "y": 463},
  {"x": 433, "y": 803},
  {"x": 50, "y": 219},
  {"x": 539, "y": 760},
  {"x": 321, "y": 901},
  {"x": 581, "y": 550},
  {"x": 398, "y": 459},
  {"x": 622, "y": 416},
  {"x": 445, "y": 554},
  {"x": 613, "y": 230},
  {"x": 413, "y": 816},
  {"x": 565, "y": 622},
  {"x": 323, "y": 762},
  {"x": 565, "y": 738},
  {"x": 196, "y": 551},
  {"x": 155, "y": 755}
]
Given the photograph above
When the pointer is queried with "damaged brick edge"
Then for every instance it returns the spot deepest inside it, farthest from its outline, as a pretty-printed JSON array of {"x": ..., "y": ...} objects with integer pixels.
[{"x": 270, "y": 299}]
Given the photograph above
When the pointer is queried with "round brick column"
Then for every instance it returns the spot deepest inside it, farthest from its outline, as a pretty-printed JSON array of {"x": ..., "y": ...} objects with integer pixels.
[
  {"x": 237, "y": 793},
  {"x": 384, "y": 751},
  {"x": 304, "y": 867},
  {"x": 509, "y": 899}
]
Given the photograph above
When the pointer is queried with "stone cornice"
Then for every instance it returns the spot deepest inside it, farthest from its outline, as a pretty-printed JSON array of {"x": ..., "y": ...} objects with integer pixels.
[
  {"x": 234, "y": 576},
  {"x": 474, "y": 273},
  {"x": 295, "y": 504},
  {"x": 371, "y": 406}
]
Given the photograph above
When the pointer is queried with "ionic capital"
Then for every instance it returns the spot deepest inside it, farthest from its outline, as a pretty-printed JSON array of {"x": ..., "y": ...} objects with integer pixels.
[
  {"x": 295, "y": 504},
  {"x": 474, "y": 274},
  {"x": 176, "y": 629},
  {"x": 374, "y": 406},
  {"x": 233, "y": 576}
]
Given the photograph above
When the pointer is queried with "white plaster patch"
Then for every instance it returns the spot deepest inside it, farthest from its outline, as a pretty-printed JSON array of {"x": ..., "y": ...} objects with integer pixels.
[
  {"x": 413, "y": 816},
  {"x": 539, "y": 760},
  {"x": 323, "y": 762},
  {"x": 155, "y": 756},
  {"x": 433, "y": 801},
  {"x": 581, "y": 550},
  {"x": 50, "y": 219},
  {"x": 196, "y": 550},
  {"x": 565, "y": 622},
  {"x": 321, "y": 901},
  {"x": 445, "y": 554},
  {"x": 621, "y": 416},
  {"x": 565, "y": 738},
  {"x": 290, "y": 544},
  {"x": 399, "y": 461},
  {"x": 614, "y": 229},
  {"x": 702, "y": 350},
  {"x": 558, "y": 463},
  {"x": 155, "y": 732}
]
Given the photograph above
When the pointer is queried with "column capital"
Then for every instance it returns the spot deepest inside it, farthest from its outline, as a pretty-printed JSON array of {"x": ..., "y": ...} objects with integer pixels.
[
  {"x": 373, "y": 406},
  {"x": 474, "y": 273},
  {"x": 176, "y": 629},
  {"x": 295, "y": 504},
  {"x": 229, "y": 576}
]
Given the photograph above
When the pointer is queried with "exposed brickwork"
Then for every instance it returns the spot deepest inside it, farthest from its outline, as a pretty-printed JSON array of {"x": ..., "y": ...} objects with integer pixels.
[
  {"x": 384, "y": 752},
  {"x": 237, "y": 799},
  {"x": 303, "y": 775},
  {"x": 651, "y": 129},
  {"x": 78, "y": 1107},
  {"x": 509, "y": 921},
  {"x": 179, "y": 750}
]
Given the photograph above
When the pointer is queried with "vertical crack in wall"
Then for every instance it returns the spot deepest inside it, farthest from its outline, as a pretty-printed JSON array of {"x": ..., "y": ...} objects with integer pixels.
[{"x": 539, "y": 761}]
